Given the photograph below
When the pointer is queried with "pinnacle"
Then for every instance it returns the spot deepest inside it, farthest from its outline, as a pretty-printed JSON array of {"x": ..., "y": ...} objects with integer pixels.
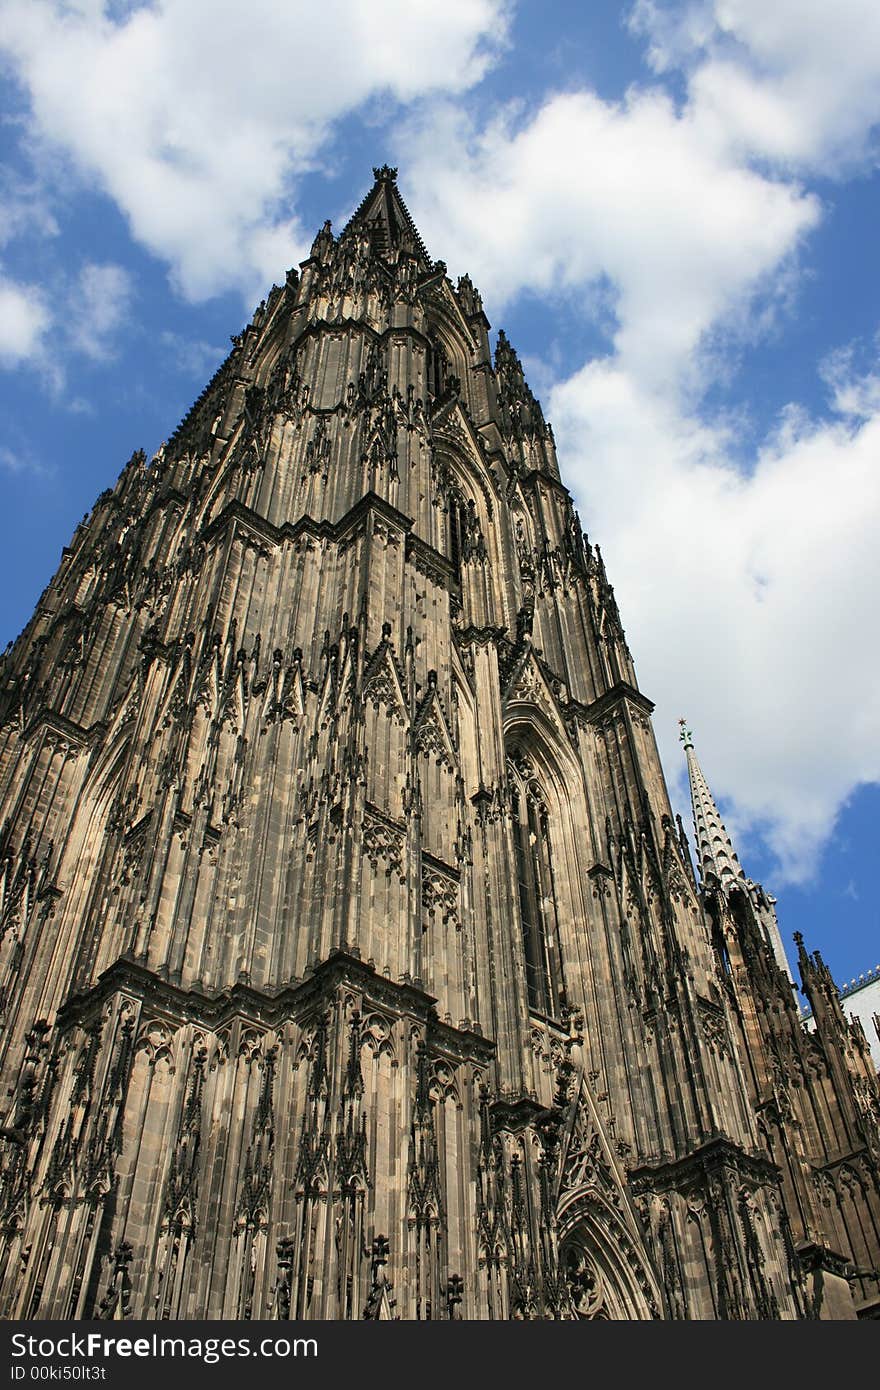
[
  {"x": 387, "y": 218},
  {"x": 520, "y": 409}
]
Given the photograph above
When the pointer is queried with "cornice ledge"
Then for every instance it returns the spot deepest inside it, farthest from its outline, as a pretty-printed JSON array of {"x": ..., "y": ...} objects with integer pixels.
[
  {"x": 430, "y": 561},
  {"x": 600, "y": 870},
  {"x": 271, "y": 1007},
  {"x": 479, "y": 636},
  {"x": 265, "y": 530},
  {"x": 371, "y": 503},
  {"x": 163, "y": 496},
  {"x": 517, "y": 1113},
  {"x": 65, "y": 728},
  {"x": 316, "y": 326},
  {"x": 715, "y": 1154},
  {"x": 465, "y": 1042},
  {"x": 246, "y": 517},
  {"x": 542, "y": 475},
  {"x": 129, "y": 976},
  {"x": 814, "y": 1257},
  {"x": 593, "y": 712}
]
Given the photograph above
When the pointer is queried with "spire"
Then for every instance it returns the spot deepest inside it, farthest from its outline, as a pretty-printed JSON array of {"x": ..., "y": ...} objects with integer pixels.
[
  {"x": 387, "y": 219},
  {"x": 718, "y": 858},
  {"x": 714, "y": 846}
]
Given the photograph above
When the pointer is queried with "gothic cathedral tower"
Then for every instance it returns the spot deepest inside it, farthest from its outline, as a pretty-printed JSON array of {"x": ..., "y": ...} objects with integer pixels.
[{"x": 352, "y": 964}]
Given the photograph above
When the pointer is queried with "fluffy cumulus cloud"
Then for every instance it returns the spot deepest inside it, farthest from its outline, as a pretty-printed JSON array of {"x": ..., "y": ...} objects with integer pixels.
[
  {"x": 587, "y": 192},
  {"x": 196, "y": 115},
  {"x": 745, "y": 597}
]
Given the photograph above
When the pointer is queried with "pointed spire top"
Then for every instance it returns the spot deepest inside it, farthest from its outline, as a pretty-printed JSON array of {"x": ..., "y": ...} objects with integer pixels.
[
  {"x": 386, "y": 218},
  {"x": 714, "y": 846}
]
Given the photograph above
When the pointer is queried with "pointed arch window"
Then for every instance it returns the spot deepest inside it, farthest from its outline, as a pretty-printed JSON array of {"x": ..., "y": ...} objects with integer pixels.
[
  {"x": 538, "y": 909},
  {"x": 437, "y": 368},
  {"x": 457, "y": 530},
  {"x": 466, "y": 539}
]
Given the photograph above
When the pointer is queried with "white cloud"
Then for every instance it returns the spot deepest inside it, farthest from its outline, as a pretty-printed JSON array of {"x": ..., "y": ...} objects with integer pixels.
[
  {"x": 195, "y": 115},
  {"x": 11, "y": 461},
  {"x": 82, "y": 316},
  {"x": 24, "y": 319},
  {"x": 782, "y": 80},
  {"x": 24, "y": 209},
  {"x": 589, "y": 191},
  {"x": 97, "y": 309},
  {"x": 854, "y": 394},
  {"x": 746, "y": 598},
  {"x": 21, "y": 459}
]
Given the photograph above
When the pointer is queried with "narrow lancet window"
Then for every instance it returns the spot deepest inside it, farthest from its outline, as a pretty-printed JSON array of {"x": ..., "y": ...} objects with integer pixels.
[
  {"x": 437, "y": 369},
  {"x": 455, "y": 533},
  {"x": 536, "y": 888}
]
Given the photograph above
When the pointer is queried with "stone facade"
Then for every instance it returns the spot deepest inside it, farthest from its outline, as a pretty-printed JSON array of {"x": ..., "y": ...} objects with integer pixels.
[
  {"x": 861, "y": 1000},
  {"x": 352, "y": 963}
]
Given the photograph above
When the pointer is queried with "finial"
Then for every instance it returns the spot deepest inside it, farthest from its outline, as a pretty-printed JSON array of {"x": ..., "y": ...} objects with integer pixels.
[
  {"x": 686, "y": 736},
  {"x": 386, "y": 174}
]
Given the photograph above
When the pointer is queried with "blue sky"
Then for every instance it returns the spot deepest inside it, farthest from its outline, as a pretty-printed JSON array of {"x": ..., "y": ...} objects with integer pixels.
[{"x": 672, "y": 210}]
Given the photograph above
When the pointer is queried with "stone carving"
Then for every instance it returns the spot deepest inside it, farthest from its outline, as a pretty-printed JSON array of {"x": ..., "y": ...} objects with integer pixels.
[
  {"x": 584, "y": 1285},
  {"x": 384, "y": 841},
  {"x": 439, "y": 896}
]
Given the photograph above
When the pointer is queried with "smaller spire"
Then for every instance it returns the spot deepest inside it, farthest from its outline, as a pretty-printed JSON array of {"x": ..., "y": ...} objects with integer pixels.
[
  {"x": 718, "y": 859},
  {"x": 714, "y": 846}
]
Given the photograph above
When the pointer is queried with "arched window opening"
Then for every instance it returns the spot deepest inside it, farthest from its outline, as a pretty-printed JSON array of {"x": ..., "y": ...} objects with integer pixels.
[
  {"x": 456, "y": 532},
  {"x": 719, "y": 943},
  {"x": 466, "y": 540},
  {"x": 437, "y": 369},
  {"x": 461, "y": 528},
  {"x": 539, "y": 918}
]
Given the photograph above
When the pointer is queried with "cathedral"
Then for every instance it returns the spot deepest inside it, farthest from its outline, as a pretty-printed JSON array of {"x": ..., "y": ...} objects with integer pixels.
[{"x": 352, "y": 962}]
